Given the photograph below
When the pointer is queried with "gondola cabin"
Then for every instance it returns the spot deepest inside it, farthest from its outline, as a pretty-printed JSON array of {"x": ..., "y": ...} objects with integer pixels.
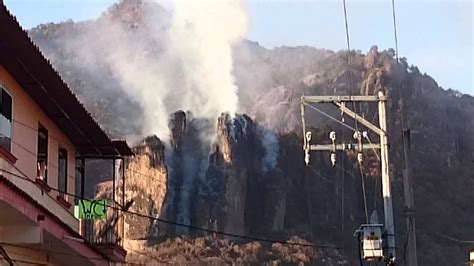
[{"x": 370, "y": 237}]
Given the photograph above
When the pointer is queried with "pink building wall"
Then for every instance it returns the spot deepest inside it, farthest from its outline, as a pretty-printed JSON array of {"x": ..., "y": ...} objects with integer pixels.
[{"x": 26, "y": 115}]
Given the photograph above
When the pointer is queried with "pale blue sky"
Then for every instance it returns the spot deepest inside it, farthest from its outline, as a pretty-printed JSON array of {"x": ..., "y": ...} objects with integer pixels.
[{"x": 435, "y": 35}]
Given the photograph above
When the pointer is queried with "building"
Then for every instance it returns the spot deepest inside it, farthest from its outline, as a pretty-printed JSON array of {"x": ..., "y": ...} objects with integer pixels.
[{"x": 46, "y": 136}]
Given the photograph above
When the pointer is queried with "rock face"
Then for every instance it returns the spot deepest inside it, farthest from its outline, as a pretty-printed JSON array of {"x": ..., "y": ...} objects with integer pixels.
[
  {"x": 146, "y": 184},
  {"x": 213, "y": 181},
  {"x": 219, "y": 185}
]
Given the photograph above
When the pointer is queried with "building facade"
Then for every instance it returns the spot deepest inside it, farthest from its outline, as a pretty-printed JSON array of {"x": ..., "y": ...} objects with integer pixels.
[{"x": 45, "y": 137}]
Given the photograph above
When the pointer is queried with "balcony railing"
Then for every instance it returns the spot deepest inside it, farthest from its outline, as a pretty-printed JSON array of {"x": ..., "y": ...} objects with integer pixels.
[{"x": 109, "y": 230}]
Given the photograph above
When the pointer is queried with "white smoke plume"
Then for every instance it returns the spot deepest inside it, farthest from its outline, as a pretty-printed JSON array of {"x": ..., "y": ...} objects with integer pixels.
[
  {"x": 164, "y": 60},
  {"x": 202, "y": 36},
  {"x": 195, "y": 70}
]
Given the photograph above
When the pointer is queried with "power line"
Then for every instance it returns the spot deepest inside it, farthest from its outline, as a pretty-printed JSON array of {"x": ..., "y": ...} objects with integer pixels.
[
  {"x": 347, "y": 26},
  {"x": 330, "y": 116},
  {"x": 196, "y": 228},
  {"x": 373, "y": 149},
  {"x": 53, "y": 137},
  {"x": 308, "y": 199},
  {"x": 363, "y": 193},
  {"x": 34, "y": 154},
  {"x": 343, "y": 178},
  {"x": 455, "y": 239},
  {"x": 395, "y": 30}
]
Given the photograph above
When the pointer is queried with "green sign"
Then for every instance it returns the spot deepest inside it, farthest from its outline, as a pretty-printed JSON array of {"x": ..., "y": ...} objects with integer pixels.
[{"x": 91, "y": 209}]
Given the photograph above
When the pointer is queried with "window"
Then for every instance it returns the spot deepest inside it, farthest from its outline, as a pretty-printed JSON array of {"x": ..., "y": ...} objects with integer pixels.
[
  {"x": 5, "y": 119},
  {"x": 62, "y": 171},
  {"x": 42, "y": 158}
]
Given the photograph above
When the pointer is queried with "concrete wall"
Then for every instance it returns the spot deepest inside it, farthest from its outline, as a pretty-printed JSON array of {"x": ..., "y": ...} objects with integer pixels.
[{"x": 26, "y": 116}]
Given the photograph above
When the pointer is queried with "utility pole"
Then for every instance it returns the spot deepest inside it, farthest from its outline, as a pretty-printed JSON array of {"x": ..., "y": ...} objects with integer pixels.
[
  {"x": 386, "y": 191},
  {"x": 409, "y": 202},
  {"x": 381, "y": 131}
]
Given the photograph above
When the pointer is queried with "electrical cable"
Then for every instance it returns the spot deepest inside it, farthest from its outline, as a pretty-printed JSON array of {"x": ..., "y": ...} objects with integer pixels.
[
  {"x": 348, "y": 48},
  {"x": 196, "y": 228},
  {"x": 308, "y": 202},
  {"x": 69, "y": 176},
  {"x": 310, "y": 220},
  {"x": 354, "y": 105},
  {"x": 347, "y": 26},
  {"x": 373, "y": 149},
  {"x": 162, "y": 220},
  {"x": 330, "y": 117},
  {"x": 395, "y": 29},
  {"x": 376, "y": 179},
  {"x": 400, "y": 104},
  {"x": 343, "y": 178},
  {"x": 319, "y": 175},
  {"x": 455, "y": 239},
  {"x": 32, "y": 153},
  {"x": 363, "y": 193}
]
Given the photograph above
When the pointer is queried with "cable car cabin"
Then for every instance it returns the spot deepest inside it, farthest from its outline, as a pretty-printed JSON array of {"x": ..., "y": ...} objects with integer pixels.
[{"x": 370, "y": 237}]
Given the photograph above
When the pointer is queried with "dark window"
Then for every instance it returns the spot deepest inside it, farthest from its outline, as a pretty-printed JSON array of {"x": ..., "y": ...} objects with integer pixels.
[
  {"x": 62, "y": 170},
  {"x": 5, "y": 119},
  {"x": 42, "y": 172}
]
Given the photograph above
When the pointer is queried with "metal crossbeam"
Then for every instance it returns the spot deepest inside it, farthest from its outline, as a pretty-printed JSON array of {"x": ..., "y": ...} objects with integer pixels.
[
  {"x": 343, "y": 147},
  {"x": 347, "y": 98},
  {"x": 359, "y": 118}
]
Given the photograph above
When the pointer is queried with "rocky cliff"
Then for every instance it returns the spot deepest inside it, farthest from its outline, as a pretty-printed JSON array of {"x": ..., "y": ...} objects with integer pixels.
[{"x": 234, "y": 174}]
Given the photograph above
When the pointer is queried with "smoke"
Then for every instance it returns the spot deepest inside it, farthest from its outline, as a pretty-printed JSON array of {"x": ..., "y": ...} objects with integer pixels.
[
  {"x": 272, "y": 148},
  {"x": 163, "y": 60},
  {"x": 202, "y": 36},
  {"x": 194, "y": 73}
]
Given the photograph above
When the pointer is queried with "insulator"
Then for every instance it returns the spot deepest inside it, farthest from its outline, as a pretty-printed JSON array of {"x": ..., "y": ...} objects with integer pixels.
[
  {"x": 364, "y": 134},
  {"x": 333, "y": 159},
  {"x": 360, "y": 157},
  {"x": 357, "y": 135},
  {"x": 306, "y": 157},
  {"x": 308, "y": 136},
  {"x": 332, "y": 136}
]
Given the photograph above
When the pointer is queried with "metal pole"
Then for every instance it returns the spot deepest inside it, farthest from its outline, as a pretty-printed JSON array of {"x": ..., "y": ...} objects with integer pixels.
[
  {"x": 83, "y": 176},
  {"x": 409, "y": 202},
  {"x": 123, "y": 182},
  {"x": 123, "y": 200},
  {"x": 113, "y": 180},
  {"x": 386, "y": 192}
]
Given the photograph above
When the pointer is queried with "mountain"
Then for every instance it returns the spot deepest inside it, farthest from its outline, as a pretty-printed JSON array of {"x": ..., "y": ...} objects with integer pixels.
[{"x": 245, "y": 174}]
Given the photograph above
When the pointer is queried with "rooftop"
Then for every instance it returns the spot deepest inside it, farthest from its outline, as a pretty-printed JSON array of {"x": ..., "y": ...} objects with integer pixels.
[{"x": 35, "y": 74}]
